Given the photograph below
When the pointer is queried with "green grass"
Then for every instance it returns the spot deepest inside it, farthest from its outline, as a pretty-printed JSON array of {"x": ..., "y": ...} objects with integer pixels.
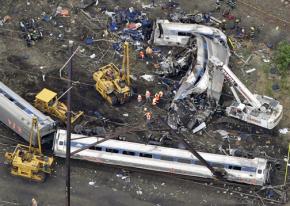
[{"x": 269, "y": 91}]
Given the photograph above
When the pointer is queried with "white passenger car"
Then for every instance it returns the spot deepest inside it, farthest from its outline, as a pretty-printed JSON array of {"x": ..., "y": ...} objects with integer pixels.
[{"x": 162, "y": 159}]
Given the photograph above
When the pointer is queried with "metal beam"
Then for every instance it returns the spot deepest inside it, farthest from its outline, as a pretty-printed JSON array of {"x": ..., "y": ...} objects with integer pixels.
[{"x": 218, "y": 173}]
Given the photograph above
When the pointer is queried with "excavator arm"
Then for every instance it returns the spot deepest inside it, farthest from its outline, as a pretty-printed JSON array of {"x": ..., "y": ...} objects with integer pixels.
[
  {"x": 236, "y": 83},
  {"x": 126, "y": 65}
]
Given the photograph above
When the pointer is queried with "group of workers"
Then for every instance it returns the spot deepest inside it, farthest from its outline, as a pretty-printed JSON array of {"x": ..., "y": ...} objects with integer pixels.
[{"x": 153, "y": 101}]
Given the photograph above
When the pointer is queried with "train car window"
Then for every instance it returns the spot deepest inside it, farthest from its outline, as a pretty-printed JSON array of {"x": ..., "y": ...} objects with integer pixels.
[
  {"x": 184, "y": 34},
  {"x": 145, "y": 155},
  {"x": 259, "y": 171},
  {"x": 112, "y": 150},
  {"x": 156, "y": 156},
  {"x": 128, "y": 153},
  {"x": 249, "y": 169},
  {"x": 96, "y": 148},
  {"x": 187, "y": 161},
  {"x": 233, "y": 167},
  {"x": 167, "y": 158},
  {"x": 197, "y": 162},
  {"x": 60, "y": 142}
]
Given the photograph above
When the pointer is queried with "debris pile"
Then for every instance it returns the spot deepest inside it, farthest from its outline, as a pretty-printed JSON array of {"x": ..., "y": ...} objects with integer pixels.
[{"x": 31, "y": 31}]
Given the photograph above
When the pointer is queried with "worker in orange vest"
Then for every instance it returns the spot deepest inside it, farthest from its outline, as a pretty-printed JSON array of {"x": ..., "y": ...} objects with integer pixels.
[
  {"x": 157, "y": 97},
  {"x": 148, "y": 116},
  {"x": 141, "y": 54},
  {"x": 155, "y": 100}
]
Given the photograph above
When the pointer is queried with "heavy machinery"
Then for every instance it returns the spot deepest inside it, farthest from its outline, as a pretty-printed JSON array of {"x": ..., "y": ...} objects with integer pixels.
[
  {"x": 47, "y": 101},
  {"x": 259, "y": 110},
  {"x": 114, "y": 85},
  {"x": 29, "y": 162}
]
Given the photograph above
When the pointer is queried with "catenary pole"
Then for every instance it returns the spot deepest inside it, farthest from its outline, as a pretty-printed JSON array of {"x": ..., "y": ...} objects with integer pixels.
[{"x": 68, "y": 123}]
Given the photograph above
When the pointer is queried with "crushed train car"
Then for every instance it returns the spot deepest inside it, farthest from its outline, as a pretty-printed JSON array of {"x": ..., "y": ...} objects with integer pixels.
[{"x": 205, "y": 42}]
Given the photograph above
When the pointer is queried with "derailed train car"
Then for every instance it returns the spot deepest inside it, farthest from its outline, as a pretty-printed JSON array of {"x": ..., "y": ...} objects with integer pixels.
[
  {"x": 254, "y": 171},
  {"x": 210, "y": 42},
  {"x": 16, "y": 113}
]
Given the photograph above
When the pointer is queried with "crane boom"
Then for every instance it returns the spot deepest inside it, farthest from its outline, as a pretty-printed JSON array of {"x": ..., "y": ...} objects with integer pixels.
[
  {"x": 126, "y": 64},
  {"x": 260, "y": 110},
  {"x": 234, "y": 80}
]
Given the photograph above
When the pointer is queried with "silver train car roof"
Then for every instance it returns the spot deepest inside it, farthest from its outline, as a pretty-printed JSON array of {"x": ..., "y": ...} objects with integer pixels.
[{"x": 24, "y": 105}]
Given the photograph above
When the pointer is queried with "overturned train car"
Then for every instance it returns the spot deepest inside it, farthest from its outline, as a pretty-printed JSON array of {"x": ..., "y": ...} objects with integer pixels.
[
  {"x": 16, "y": 113},
  {"x": 161, "y": 159}
]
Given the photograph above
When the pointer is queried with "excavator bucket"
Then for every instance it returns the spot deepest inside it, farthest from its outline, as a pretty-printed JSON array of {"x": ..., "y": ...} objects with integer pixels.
[{"x": 75, "y": 116}]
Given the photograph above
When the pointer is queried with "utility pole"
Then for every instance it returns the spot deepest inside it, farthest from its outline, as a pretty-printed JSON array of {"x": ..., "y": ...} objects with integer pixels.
[
  {"x": 287, "y": 165},
  {"x": 68, "y": 127}
]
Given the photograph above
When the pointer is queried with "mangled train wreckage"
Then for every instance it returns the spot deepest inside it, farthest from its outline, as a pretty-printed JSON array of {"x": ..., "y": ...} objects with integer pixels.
[{"x": 200, "y": 89}]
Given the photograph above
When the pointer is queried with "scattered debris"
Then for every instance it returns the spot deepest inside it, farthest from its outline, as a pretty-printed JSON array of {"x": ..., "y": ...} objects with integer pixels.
[
  {"x": 250, "y": 70},
  {"x": 139, "y": 192},
  {"x": 182, "y": 61},
  {"x": 199, "y": 127},
  {"x": 92, "y": 183},
  {"x": 283, "y": 131},
  {"x": 31, "y": 31},
  {"x": 83, "y": 4},
  {"x": 93, "y": 56},
  {"x": 275, "y": 87},
  {"x": 147, "y": 77}
]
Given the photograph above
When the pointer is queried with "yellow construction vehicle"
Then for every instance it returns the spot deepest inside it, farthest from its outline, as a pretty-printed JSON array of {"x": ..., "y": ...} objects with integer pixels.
[
  {"x": 231, "y": 43},
  {"x": 114, "y": 85},
  {"x": 47, "y": 101},
  {"x": 29, "y": 162}
]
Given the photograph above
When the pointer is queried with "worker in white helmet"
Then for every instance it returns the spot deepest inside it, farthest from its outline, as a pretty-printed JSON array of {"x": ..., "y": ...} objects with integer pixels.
[
  {"x": 33, "y": 202},
  {"x": 148, "y": 96}
]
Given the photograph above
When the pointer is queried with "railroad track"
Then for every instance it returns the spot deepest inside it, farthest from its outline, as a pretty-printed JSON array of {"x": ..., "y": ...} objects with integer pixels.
[
  {"x": 6, "y": 140},
  {"x": 251, "y": 195}
]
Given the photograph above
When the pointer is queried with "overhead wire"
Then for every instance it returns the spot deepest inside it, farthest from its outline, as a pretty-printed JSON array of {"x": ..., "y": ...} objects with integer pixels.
[
  {"x": 48, "y": 76},
  {"x": 264, "y": 12},
  {"x": 55, "y": 38}
]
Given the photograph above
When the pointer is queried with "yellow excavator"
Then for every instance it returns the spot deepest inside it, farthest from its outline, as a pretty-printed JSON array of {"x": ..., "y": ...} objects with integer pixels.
[
  {"x": 29, "y": 162},
  {"x": 48, "y": 102},
  {"x": 114, "y": 85}
]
